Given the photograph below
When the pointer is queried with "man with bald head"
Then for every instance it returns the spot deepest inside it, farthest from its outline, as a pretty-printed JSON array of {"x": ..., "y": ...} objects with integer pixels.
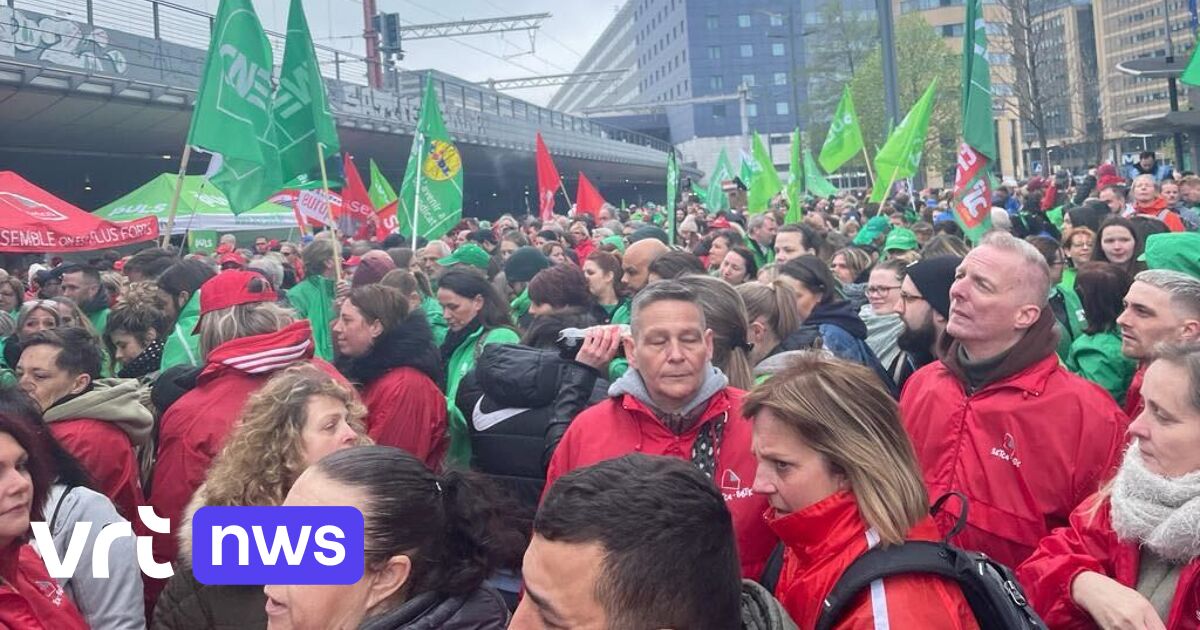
[
  {"x": 637, "y": 262},
  {"x": 997, "y": 418}
]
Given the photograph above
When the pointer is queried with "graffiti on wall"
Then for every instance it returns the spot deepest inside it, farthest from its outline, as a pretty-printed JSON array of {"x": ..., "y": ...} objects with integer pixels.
[{"x": 58, "y": 41}]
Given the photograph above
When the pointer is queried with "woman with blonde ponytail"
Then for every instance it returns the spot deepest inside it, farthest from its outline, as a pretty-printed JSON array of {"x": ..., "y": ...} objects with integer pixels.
[
  {"x": 771, "y": 312},
  {"x": 725, "y": 314}
]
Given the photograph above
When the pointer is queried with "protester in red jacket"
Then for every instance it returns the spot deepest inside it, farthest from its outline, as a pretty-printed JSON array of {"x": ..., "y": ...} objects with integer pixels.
[
  {"x": 997, "y": 418},
  {"x": 673, "y": 402},
  {"x": 840, "y": 475},
  {"x": 1131, "y": 555},
  {"x": 99, "y": 421},
  {"x": 1147, "y": 202},
  {"x": 389, "y": 351},
  {"x": 29, "y": 598},
  {"x": 245, "y": 338}
]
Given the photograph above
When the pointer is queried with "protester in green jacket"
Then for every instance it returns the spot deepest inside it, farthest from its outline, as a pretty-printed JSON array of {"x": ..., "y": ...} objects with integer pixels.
[
  {"x": 476, "y": 316},
  {"x": 82, "y": 284},
  {"x": 313, "y": 298},
  {"x": 1096, "y": 353},
  {"x": 180, "y": 286}
]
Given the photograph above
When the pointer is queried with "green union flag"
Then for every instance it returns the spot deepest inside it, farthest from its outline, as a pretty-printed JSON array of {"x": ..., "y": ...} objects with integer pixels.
[
  {"x": 431, "y": 195},
  {"x": 901, "y": 154},
  {"x": 766, "y": 179},
  {"x": 972, "y": 174},
  {"x": 380, "y": 192},
  {"x": 845, "y": 137},
  {"x": 717, "y": 200},
  {"x": 672, "y": 187},
  {"x": 795, "y": 181},
  {"x": 232, "y": 118},
  {"x": 302, "y": 116},
  {"x": 814, "y": 182}
]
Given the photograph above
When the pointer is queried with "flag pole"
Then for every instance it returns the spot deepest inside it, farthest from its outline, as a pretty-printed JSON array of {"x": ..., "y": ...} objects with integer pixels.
[
  {"x": 337, "y": 246},
  {"x": 418, "y": 141},
  {"x": 870, "y": 175},
  {"x": 183, "y": 164},
  {"x": 563, "y": 188}
]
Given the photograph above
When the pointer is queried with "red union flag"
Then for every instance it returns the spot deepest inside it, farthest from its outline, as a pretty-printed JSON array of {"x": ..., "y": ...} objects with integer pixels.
[
  {"x": 386, "y": 221},
  {"x": 973, "y": 190},
  {"x": 548, "y": 181}
]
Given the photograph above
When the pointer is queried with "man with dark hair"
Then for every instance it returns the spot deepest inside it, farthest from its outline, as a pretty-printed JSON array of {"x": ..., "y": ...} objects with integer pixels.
[
  {"x": 82, "y": 284},
  {"x": 99, "y": 421},
  {"x": 1148, "y": 164},
  {"x": 179, "y": 286},
  {"x": 313, "y": 296},
  {"x": 638, "y": 542},
  {"x": 148, "y": 264},
  {"x": 672, "y": 401},
  {"x": 793, "y": 241},
  {"x": 924, "y": 306}
]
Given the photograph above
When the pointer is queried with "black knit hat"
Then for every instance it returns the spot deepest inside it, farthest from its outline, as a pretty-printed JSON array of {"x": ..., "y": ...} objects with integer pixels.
[
  {"x": 933, "y": 278},
  {"x": 524, "y": 264},
  {"x": 649, "y": 231}
]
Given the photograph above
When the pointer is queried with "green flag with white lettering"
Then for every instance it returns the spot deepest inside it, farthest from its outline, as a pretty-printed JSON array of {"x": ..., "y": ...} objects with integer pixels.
[
  {"x": 795, "y": 181},
  {"x": 672, "y": 186},
  {"x": 901, "y": 154},
  {"x": 717, "y": 200},
  {"x": 303, "y": 119},
  {"x": 380, "y": 192},
  {"x": 232, "y": 117},
  {"x": 431, "y": 195},
  {"x": 766, "y": 180},
  {"x": 845, "y": 137}
]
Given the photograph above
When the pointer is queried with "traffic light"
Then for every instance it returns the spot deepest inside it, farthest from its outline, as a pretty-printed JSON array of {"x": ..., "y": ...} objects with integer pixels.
[{"x": 388, "y": 27}]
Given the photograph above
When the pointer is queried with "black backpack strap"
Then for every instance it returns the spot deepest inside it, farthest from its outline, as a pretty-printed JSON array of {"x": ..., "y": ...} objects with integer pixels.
[
  {"x": 916, "y": 556},
  {"x": 58, "y": 504},
  {"x": 770, "y": 575},
  {"x": 961, "y": 522}
]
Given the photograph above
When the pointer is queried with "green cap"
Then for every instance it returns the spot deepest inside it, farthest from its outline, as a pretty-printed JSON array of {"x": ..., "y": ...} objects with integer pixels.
[
  {"x": 467, "y": 254},
  {"x": 615, "y": 241},
  {"x": 900, "y": 238},
  {"x": 1176, "y": 251},
  {"x": 871, "y": 229}
]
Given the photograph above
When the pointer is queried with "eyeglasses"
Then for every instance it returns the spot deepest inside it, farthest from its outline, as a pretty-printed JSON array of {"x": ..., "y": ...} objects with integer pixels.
[
  {"x": 880, "y": 289},
  {"x": 909, "y": 298}
]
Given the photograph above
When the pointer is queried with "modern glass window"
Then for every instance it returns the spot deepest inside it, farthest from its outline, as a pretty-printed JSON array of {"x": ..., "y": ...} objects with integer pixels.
[
  {"x": 746, "y": 50},
  {"x": 716, "y": 83},
  {"x": 712, "y": 22},
  {"x": 777, "y": 49},
  {"x": 780, "y": 78},
  {"x": 776, "y": 19},
  {"x": 748, "y": 79},
  {"x": 744, "y": 20},
  {"x": 751, "y": 109},
  {"x": 714, "y": 52},
  {"x": 781, "y": 108}
]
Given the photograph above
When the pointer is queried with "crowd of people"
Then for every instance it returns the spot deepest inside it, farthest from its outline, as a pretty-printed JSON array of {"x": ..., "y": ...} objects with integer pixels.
[{"x": 583, "y": 422}]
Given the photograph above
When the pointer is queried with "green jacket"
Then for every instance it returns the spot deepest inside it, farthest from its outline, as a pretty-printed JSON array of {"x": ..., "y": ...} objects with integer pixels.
[
  {"x": 313, "y": 300},
  {"x": 1098, "y": 358},
  {"x": 182, "y": 347},
  {"x": 462, "y": 362},
  {"x": 623, "y": 313},
  {"x": 1076, "y": 321},
  {"x": 519, "y": 306},
  {"x": 437, "y": 321},
  {"x": 761, "y": 258},
  {"x": 99, "y": 320}
]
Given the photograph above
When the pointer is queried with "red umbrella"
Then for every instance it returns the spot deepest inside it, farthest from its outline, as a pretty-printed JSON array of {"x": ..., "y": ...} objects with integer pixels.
[{"x": 32, "y": 220}]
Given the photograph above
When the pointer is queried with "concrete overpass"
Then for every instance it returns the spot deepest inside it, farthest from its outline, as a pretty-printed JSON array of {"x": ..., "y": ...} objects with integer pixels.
[{"x": 96, "y": 98}]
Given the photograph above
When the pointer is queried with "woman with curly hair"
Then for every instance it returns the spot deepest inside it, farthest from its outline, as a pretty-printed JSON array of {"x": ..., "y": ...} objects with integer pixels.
[{"x": 299, "y": 416}]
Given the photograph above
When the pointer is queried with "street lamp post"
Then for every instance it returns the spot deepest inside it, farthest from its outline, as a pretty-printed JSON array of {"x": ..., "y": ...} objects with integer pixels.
[
  {"x": 1172, "y": 85},
  {"x": 887, "y": 43}
]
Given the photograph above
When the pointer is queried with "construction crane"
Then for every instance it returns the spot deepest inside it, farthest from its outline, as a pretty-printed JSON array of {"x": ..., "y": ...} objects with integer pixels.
[
  {"x": 553, "y": 79},
  {"x": 652, "y": 107}
]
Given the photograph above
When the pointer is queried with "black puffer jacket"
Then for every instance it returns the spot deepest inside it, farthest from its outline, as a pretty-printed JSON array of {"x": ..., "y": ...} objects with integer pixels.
[
  {"x": 525, "y": 399},
  {"x": 482, "y": 609}
]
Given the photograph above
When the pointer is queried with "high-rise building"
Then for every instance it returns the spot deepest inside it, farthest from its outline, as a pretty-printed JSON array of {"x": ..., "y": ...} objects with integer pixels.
[
  {"x": 1127, "y": 30},
  {"x": 685, "y": 62}
]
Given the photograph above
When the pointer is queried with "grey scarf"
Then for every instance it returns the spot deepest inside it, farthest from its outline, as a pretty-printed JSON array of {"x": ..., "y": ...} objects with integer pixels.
[
  {"x": 1160, "y": 513},
  {"x": 680, "y": 421}
]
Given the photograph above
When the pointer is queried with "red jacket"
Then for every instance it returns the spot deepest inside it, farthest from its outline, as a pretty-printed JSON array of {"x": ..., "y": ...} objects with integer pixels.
[
  {"x": 106, "y": 454},
  {"x": 1159, "y": 210},
  {"x": 1025, "y": 450},
  {"x": 1133, "y": 397},
  {"x": 193, "y": 430},
  {"x": 1088, "y": 543},
  {"x": 29, "y": 598},
  {"x": 406, "y": 409},
  {"x": 623, "y": 425},
  {"x": 822, "y": 540}
]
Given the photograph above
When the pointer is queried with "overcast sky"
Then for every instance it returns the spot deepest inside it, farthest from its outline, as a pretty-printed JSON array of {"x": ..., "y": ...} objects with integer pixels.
[{"x": 573, "y": 27}]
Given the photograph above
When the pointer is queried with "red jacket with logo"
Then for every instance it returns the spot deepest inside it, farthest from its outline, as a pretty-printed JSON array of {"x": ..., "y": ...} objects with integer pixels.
[
  {"x": 29, "y": 598},
  {"x": 824, "y": 539},
  {"x": 622, "y": 425},
  {"x": 406, "y": 409},
  {"x": 194, "y": 429},
  {"x": 1089, "y": 543},
  {"x": 1025, "y": 450}
]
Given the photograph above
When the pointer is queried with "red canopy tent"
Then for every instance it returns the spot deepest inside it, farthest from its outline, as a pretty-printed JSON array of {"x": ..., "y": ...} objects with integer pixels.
[{"x": 34, "y": 221}]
